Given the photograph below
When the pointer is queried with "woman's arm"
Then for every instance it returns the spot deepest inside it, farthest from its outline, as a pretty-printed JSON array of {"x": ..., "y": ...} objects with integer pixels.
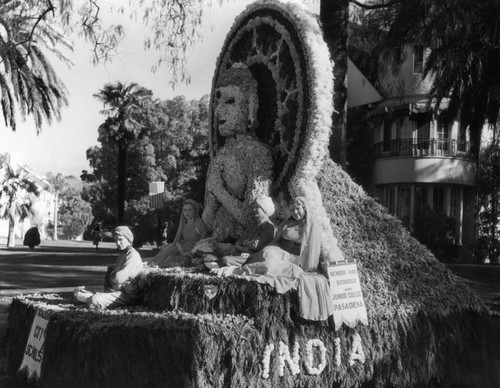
[{"x": 201, "y": 228}]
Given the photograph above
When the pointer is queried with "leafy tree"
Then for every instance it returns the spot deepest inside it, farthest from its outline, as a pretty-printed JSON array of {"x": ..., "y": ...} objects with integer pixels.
[
  {"x": 173, "y": 149},
  {"x": 488, "y": 189},
  {"x": 28, "y": 81},
  {"x": 436, "y": 231},
  {"x": 71, "y": 211},
  {"x": 33, "y": 30},
  {"x": 122, "y": 126},
  {"x": 15, "y": 201},
  {"x": 76, "y": 215},
  {"x": 464, "y": 39}
]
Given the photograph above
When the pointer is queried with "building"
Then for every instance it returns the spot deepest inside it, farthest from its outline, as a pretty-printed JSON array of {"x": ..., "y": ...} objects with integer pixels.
[
  {"x": 421, "y": 162},
  {"x": 43, "y": 204}
]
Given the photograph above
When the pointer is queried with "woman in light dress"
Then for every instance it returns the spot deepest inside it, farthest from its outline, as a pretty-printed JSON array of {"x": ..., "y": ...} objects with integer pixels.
[{"x": 191, "y": 229}]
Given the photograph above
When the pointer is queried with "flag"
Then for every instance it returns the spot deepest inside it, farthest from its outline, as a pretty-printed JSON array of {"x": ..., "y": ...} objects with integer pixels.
[{"x": 156, "y": 191}]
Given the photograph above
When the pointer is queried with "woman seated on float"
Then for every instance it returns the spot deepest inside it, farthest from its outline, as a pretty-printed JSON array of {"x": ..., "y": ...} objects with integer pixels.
[
  {"x": 119, "y": 286},
  {"x": 256, "y": 236},
  {"x": 295, "y": 248},
  {"x": 292, "y": 262},
  {"x": 191, "y": 229}
]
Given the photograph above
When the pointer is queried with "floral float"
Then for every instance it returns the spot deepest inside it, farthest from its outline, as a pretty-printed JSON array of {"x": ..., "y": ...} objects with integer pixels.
[{"x": 426, "y": 327}]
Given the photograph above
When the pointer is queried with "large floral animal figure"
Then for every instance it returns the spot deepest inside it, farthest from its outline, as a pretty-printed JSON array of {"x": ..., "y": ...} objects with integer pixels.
[{"x": 242, "y": 169}]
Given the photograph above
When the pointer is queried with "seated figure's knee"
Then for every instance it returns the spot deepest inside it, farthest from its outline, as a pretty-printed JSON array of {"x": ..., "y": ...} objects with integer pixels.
[{"x": 225, "y": 260}]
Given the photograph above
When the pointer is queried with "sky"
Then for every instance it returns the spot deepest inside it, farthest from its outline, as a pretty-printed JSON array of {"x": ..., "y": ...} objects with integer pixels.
[{"x": 61, "y": 147}]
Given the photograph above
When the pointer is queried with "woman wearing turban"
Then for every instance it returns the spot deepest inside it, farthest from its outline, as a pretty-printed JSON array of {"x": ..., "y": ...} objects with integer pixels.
[
  {"x": 257, "y": 236},
  {"x": 118, "y": 286},
  {"x": 191, "y": 229}
]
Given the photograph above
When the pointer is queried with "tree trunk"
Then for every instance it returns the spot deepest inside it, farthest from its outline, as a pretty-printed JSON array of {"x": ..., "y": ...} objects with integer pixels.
[
  {"x": 334, "y": 16},
  {"x": 122, "y": 174},
  {"x": 11, "y": 239},
  {"x": 494, "y": 197},
  {"x": 56, "y": 207}
]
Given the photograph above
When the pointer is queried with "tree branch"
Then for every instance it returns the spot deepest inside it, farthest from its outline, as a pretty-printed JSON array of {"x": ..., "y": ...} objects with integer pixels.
[
  {"x": 375, "y": 6},
  {"x": 50, "y": 8}
]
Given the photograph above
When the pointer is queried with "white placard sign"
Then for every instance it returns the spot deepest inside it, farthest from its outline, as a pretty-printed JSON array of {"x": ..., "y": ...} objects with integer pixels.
[
  {"x": 345, "y": 288},
  {"x": 33, "y": 353}
]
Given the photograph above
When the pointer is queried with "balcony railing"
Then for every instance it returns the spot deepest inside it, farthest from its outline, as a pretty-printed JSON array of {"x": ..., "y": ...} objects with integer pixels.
[{"x": 421, "y": 147}]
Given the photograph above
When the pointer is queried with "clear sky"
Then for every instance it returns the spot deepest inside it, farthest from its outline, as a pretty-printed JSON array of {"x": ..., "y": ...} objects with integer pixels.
[{"x": 61, "y": 148}]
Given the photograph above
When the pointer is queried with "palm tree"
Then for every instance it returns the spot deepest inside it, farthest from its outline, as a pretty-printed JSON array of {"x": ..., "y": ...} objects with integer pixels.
[
  {"x": 122, "y": 126},
  {"x": 15, "y": 202},
  {"x": 57, "y": 185},
  {"x": 28, "y": 82}
]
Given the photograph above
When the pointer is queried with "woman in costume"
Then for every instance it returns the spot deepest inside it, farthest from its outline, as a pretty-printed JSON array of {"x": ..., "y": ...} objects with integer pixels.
[
  {"x": 191, "y": 229},
  {"x": 292, "y": 262},
  {"x": 295, "y": 248},
  {"x": 257, "y": 235},
  {"x": 119, "y": 287}
]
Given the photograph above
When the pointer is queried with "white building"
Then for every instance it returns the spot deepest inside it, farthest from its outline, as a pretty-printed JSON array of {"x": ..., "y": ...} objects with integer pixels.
[{"x": 43, "y": 204}]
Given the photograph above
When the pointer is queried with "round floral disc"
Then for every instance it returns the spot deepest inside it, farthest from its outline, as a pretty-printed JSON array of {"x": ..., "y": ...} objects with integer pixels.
[{"x": 282, "y": 44}]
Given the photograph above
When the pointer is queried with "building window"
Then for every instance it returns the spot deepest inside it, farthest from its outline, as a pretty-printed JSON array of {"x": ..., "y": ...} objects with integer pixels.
[
  {"x": 438, "y": 200},
  {"x": 405, "y": 136},
  {"x": 387, "y": 135},
  {"x": 442, "y": 134},
  {"x": 391, "y": 199},
  {"x": 423, "y": 133},
  {"x": 462, "y": 139},
  {"x": 404, "y": 205},
  {"x": 420, "y": 198},
  {"x": 418, "y": 59}
]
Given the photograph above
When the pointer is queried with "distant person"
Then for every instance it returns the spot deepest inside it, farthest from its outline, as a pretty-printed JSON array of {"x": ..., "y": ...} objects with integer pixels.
[
  {"x": 96, "y": 236},
  {"x": 118, "y": 286}
]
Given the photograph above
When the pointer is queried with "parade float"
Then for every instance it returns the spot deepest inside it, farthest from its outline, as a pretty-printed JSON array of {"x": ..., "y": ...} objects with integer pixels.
[{"x": 401, "y": 318}]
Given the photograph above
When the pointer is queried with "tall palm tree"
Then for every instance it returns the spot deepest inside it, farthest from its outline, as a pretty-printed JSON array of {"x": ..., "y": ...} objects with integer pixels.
[
  {"x": 15, "y": 202},
  {"x": 122, "y": 126},
  {"x": 28, "y": 82},
  {"x": 57, "y": 185}
]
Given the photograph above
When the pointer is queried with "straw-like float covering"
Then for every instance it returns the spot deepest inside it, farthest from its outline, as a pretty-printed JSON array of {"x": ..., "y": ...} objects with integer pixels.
[{"x": 425, "y": 326}]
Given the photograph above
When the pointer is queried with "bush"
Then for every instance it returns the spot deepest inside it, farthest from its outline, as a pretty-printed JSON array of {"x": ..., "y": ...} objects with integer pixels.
[{"x": 32, "y": 238}]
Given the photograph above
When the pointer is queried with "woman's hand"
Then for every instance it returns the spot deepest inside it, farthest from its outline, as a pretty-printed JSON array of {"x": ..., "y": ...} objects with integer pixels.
[{"x": 252, "y": 244}]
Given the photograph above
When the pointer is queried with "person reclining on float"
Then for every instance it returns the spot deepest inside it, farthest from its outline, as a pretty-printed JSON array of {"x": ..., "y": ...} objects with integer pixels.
[
  {"x": 259, "y": 234},
  {"x": 292, "y": 261},
  {"x": 119, "y": 288},
  {"x": 191, "y": 229}
]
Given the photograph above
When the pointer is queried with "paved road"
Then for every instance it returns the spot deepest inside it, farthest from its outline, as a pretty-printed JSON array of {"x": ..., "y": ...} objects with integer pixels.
[
  {"x": 54, "y": 266},
  {"x": 61, "y": 266}
]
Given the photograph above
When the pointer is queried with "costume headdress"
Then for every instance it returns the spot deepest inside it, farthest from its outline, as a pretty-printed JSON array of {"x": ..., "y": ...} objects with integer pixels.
[
  {"x": 266, "y": 204},
  {"x": 125, "y": 232}
]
